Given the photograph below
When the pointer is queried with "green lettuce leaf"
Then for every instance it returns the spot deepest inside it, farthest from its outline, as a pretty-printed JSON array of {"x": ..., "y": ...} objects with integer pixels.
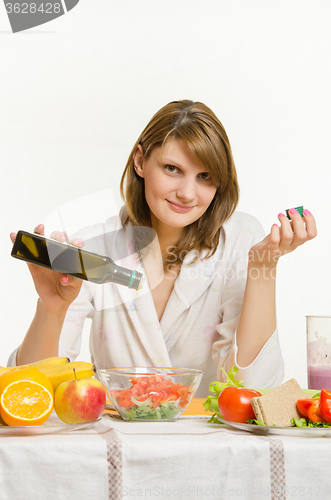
[
  {"x": 254, "y": 421},
  {"x": 306, "y": 422},
  {"x": 216, "y": 387}
]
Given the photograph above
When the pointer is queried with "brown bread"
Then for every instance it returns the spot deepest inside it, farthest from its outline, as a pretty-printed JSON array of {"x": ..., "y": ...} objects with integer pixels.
[{"x": 279, "y": 406}]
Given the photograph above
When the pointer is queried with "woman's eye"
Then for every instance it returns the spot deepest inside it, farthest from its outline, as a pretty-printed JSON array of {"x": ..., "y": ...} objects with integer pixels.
[
  {"x": 171, "y": 168},
  {"x": 205, "y": 176}
]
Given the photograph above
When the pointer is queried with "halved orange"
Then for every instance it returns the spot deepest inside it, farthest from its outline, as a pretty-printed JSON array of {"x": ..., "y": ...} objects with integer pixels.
[{"x": 25, "y": 402}]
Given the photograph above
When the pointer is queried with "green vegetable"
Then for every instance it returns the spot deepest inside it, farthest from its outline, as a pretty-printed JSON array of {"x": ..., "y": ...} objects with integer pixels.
[
  {"x": 216, "y": 387},
  {"x": 230, "y": 377},
  {"x": 166, "y": 410},
  {"x": 306, "y": 422},
  {"x": 299, "y": 422},
  {"x": 215, "y": 420},
  {"x": 254, "y": 421}
]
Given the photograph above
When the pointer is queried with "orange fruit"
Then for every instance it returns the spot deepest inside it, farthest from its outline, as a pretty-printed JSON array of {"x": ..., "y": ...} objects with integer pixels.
[
  {"x": 25, "y": 402},
  {"x": 26, "y": 396},
  {"x": 25, "y": 373}
]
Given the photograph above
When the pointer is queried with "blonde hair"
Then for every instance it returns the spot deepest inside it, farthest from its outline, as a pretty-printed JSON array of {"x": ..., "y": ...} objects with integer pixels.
[{"x": 200, "y": 129}]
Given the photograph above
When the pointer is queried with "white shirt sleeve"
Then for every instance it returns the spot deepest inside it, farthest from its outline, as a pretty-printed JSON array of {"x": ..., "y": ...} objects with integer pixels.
[{"x": 12, "y": 358}]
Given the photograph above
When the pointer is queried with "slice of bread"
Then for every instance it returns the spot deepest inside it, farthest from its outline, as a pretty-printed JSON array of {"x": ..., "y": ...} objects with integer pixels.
[{"x": 279, "y": 406}]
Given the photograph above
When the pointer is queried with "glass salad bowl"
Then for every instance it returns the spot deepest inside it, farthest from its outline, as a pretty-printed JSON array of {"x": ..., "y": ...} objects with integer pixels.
[{"x": 150, "y": 394}]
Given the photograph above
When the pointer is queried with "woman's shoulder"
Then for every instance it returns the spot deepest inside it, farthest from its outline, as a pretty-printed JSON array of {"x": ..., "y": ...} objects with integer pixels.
[
  {"x": 242, "y": 222},
  {"x": 241, "y": 230}
]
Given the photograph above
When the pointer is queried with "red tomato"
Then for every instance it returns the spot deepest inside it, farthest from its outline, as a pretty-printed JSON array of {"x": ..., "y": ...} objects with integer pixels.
[
  {"x": 155, "y": 388},
  {"x": 314, "y": 412},
  {"x": 325, "y": 405},
  {"x": 303, "y": 405},
  {"x": 235, "y": 403}
]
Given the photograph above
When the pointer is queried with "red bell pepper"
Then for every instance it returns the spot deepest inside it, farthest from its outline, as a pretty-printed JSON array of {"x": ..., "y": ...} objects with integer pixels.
[{"x": 325, "y": 405}]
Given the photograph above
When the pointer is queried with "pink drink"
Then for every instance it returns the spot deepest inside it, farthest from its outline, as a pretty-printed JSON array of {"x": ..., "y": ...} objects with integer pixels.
[
  {"x": 319, "y": 377},
  {"x": 319, "y": 363}
]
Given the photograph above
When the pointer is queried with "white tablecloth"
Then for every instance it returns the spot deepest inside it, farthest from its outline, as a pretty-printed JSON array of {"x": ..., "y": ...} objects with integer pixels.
[
  {"x": 79, "y": 464},
  {"x": 196, "y": 460},
  {"x": 187, "y": 459}
]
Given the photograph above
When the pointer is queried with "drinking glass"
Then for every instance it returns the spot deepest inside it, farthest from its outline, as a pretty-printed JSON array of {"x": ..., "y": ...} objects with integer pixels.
[{"x": 319, "y": 352}]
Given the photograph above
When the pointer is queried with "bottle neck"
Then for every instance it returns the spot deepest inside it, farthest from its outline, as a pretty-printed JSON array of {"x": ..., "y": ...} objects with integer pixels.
[{"x": 124, "y": 276}]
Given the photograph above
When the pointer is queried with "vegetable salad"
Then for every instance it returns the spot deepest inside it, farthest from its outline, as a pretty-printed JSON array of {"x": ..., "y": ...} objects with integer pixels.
[{"x": 151, "y": 398}]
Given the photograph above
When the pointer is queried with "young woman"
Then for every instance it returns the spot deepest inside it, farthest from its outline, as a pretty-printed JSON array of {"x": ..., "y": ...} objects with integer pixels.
[{"x": 214, "y": 304}]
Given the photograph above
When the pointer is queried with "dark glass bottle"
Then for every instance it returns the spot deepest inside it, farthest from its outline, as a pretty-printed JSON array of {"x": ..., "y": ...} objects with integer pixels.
[{"x": 72, "y": 260}]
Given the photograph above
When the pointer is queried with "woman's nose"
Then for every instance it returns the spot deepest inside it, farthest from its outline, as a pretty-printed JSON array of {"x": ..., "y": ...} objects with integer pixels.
[{"x": 187, "y": 189}]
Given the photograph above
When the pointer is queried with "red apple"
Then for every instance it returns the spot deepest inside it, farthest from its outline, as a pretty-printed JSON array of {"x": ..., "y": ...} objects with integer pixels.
[{"x": 79, "y": 400}]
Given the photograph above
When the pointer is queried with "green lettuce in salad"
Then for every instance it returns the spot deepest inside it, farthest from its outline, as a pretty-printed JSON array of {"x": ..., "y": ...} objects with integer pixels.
[
  {"x": 306, "y": 422},
  {"x": 152, "y": 397},
  {"x": 167, "y": 411},
  {"x": 216, "y": 387}
]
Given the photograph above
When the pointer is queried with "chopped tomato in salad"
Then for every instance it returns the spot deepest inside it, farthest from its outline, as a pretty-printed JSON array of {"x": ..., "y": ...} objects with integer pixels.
[
  {"x": 151, "y": 398},
  {"x": 316, "y": 411},
  {"x": 310, "y": 408}
]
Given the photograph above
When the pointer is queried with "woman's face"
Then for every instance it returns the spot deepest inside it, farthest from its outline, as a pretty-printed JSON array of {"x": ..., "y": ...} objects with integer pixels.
[{"x": 178, "y": 187}]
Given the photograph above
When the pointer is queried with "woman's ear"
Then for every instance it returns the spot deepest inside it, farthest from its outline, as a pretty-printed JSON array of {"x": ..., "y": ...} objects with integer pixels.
[{"x": 138, "y": 161}]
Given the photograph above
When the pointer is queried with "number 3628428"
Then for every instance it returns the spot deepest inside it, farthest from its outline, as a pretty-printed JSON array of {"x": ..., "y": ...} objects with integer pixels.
[{"x": 33, "y": 8}]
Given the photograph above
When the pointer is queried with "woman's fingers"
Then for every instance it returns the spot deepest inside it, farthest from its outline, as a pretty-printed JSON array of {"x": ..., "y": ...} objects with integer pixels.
[
  {"x": 310, "y": 224},
  {"x": 67, "y": 280},
  {"x": 40, "y": 229},
  {"x": 55, "y": 235},
  {"x": 274, "y": 242},
  {"x": 64, "y": 279},
  {"x": 298, "y": 227},
  {"x": 62, "y": 237},
  {"x": 59, "y": 236},
  {"x": 284, "y": 238},
  {"x": 70, "y": 281},
  {"x": 275, "y": 235},
  {"x": 296, "y": 231},
  {"x": 286, "y": 233},
  {"x": 77, "y": 242}
]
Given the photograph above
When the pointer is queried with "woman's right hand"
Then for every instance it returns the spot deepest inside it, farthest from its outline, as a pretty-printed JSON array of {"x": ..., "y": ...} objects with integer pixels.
[{"x": 56, "y": 290}]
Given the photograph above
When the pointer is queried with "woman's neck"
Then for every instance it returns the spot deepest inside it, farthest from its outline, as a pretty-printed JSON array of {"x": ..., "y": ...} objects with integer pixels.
[{"x": 168, "y": 236}]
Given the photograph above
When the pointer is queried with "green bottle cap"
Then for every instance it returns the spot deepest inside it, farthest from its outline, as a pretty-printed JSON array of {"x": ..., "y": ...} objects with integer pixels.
[
  {"x": 132, "y": 279},
  {"x": 298, "y": 209}
]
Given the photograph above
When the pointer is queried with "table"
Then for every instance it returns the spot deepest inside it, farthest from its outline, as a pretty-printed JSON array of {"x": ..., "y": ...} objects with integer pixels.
[{"x": 187, "y": 459}]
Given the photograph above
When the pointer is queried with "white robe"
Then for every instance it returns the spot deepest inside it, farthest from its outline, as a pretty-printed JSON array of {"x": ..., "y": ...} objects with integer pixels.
[{"x": 197, "y": 329}]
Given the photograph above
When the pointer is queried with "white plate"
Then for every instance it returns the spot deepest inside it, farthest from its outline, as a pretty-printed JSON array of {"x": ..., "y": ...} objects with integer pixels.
[
  {"x": 315, "y": 432},
  {"x": 52, "y": 425}
]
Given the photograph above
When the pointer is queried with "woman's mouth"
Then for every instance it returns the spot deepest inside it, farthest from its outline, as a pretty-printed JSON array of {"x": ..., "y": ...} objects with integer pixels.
[{"x": 179, "y": 208}]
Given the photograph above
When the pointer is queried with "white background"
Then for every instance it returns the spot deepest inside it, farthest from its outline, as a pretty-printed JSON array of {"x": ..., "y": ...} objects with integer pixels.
[{"x": 75, "y": 94}]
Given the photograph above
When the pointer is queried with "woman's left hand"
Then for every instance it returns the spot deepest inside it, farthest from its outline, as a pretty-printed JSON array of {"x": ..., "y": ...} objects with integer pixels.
[{"x": 284, "y": 238}]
